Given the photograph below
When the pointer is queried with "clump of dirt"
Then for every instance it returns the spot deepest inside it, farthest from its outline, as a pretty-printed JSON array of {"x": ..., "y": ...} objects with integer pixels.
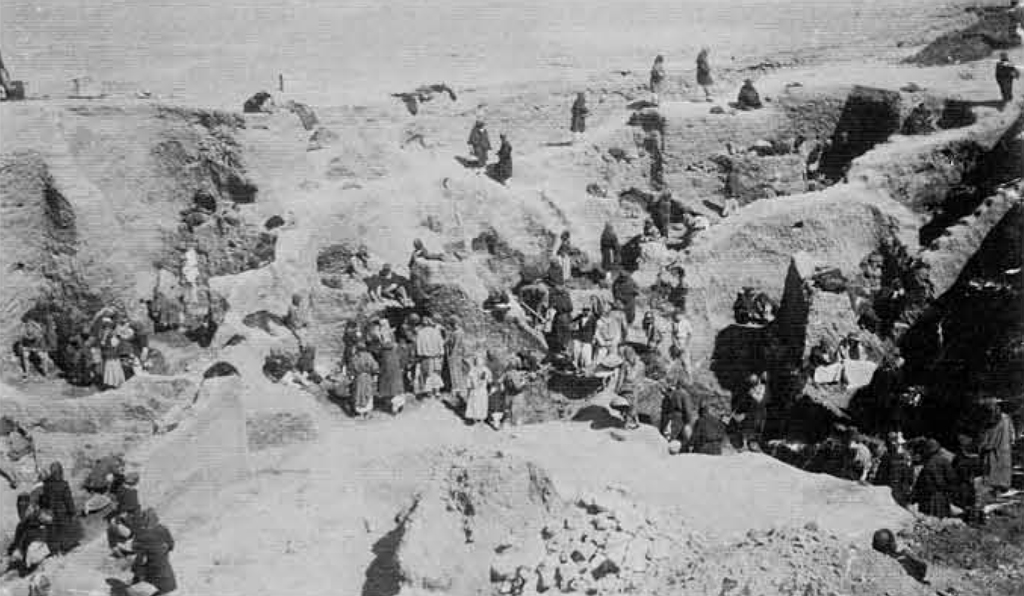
[{"x": 994, "y": 30}]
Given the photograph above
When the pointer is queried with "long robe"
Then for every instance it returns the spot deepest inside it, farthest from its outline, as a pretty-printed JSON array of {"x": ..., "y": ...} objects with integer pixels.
[
  {"x": 391, "y": 382},
  {"x": 153, "y": 566},
  {"x": 657, "y": 78},
  {"x": 480, "y": 142},
  {"x": 996, "y": 448},
  {"x": 610, "y": 247},
  {"x": 935, "y": 485},
  {"x": 56, "y": 497},
  {"x": 364, "y": 367},
  {"x": 896, "y": 472},
  {"x": 477, "y": 400},
  {"x": 430, "y": 359},
  {"x": 579, "y": 115},
  {"x": 503, "y": 169},
  {"x": 625, "y": 291},
  {"x": 704, "y": 71},
  {"x": 457, "y": 361}
]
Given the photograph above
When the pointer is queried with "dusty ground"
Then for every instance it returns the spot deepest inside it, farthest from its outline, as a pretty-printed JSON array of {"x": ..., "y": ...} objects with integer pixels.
[{"x": 312, "y": 508}]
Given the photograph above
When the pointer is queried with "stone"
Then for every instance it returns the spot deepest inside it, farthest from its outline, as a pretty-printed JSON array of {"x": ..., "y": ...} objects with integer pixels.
[
  {"x": 545, "y": 577},
  {"x": 636, "y": 554},
  {"x": 604, "y": 568},
  {"x": 563, "y": 576},
  {"x": 583, "y": 552}
]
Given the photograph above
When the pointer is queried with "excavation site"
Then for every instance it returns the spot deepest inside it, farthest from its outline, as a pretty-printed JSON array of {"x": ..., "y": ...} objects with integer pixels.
[{"x": 499, "y": 298}]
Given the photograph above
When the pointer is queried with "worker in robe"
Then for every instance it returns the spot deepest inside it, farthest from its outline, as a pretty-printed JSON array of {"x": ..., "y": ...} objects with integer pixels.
[
  {"x": 748, "y": 98},
  {"x": 996, "y": 448},
  {"x": 708, "y": 433},
  {"x": 935, "y": 483},
  {"x": 625, "y": 292},
  {"x": 1006, "y": 73},
  {"x": 578, "y": 123},
  {"x": 631, "y": 377},
  {"x": 678, "y": 415},
  {"x": 365, "y": 370},
  {"x": 152, "y": 547},
  {"x": 479, "y": 143},
  {"x": 661, "y": 213},
  {"x": 456, "y": 358},
  {"x": 704, "y": 78},
  {"x": 657, "y": 84},
  {"x": 895, "y": 470},
  {"x": 429, "y": 358},
  {"x": 503, "y": 169},
  {"x": 611, "y": 250},
  {"x": 56, "y": 498}
]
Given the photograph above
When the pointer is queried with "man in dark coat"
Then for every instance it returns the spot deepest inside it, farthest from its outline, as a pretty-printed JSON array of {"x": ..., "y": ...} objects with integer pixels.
[
  {"x": 503, "y": 169},
  {"x": 578, "y": 125},
  {"x": 152, "y": 547},
  {"x": 610, "y": 248},
  {"x": 662, "y": 213},
  {"x": 935, "y": 483},
  {"x": 625, "y": 291},
  {"x": 560, "y": 338},
  {"x": 895, "y": 471},
  {"x": 748, "y": 98},
  {"x": 1006, "y": 72},
  {"x": 56, "y": 498},
  {"x": 708, "y": 433},
  {"x": 480, "y": 142},
  {"x": 885, "y": 542},
  {"x": 678, "y": 415}
]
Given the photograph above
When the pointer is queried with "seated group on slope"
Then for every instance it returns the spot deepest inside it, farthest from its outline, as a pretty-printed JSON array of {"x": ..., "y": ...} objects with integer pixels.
[
  {"x": 49, "y": 525},
  {"x": 105, "y": 352}
]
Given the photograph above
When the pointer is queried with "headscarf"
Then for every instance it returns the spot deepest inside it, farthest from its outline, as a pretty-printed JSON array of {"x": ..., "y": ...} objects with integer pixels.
[{"x": 56, "y": 472}]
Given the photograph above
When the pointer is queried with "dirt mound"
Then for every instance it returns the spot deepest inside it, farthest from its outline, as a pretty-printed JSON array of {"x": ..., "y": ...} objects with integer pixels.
[
  {"x": 994, "y": 30},
  {"x": 477, "y": 507},
  {"x": 494, "y": 523}
]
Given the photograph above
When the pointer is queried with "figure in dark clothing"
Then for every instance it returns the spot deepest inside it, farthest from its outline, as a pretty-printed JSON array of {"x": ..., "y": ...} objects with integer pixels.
[
  {"x": 503, "y": 169},
  {"x": 708, "y": 433},
  {"x": 662, "y": 213},
  {"x": 678, "y": 416},
  {"x": 560, "y": 338},
  {"x": 31, "y": 528},
  {"x": 704, "y": 78},
  {"x": 578, "y": 124},
  {"x": 610, "y": 249},
  {"x": 748, "y": 98},
  {"x": 935, "y": 482},
  {"x": 657, "y": 79},
  {"x": 895, "y": 471},
  {"x": 885, "y": 542},
  {"x": 625, "y": 291},
  {"x": 56, "y": 498},
  {"x": 1006, "y": 72},
  {"x": 967, "y": 465},
  {"x": 480, "y": 143},
  {"x": 152, "y": 546},
  {"x": 123, "y": 520}
]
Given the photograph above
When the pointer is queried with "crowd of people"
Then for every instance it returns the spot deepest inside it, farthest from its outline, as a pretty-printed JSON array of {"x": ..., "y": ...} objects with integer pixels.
[
  {"x": 50, "y": 522},
  {"x": 103, "y": 352}
]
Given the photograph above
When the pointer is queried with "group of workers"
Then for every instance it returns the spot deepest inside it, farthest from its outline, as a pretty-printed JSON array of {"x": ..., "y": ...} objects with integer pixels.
[
  {"x": 980, "y": 469},
  {"x": 49, "y": 524},
  {"x": 110, "y": 348}
]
